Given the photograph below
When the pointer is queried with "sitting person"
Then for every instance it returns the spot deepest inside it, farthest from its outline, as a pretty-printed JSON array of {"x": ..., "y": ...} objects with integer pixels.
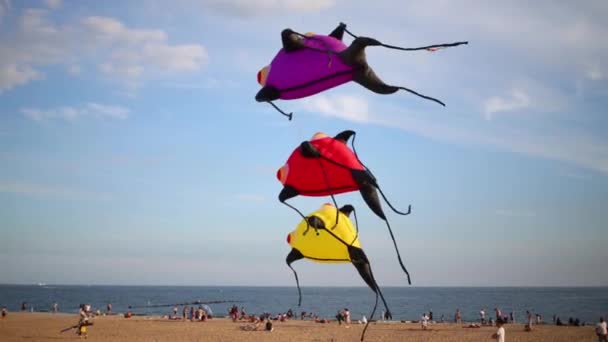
[{"x": 269, "y": 327}]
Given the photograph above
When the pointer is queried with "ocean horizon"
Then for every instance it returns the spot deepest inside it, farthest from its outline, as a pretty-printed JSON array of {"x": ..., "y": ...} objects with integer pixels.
[{"x": 587, "y": 303}]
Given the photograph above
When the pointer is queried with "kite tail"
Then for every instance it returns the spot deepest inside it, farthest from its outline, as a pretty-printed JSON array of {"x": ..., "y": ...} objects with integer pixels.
[
  {"x": 298, "y": 284},
  {"x": 371, "y": 316},
  {"x": 398, "y": 254},
  {"x": 409, "y": 207},
  {"x": 290, "y": 115},
  {"x": 428, "y": 47},
  {"x": 423, "y": 96}
]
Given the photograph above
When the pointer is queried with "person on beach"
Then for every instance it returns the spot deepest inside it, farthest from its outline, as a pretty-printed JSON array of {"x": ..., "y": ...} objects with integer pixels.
[
  {"x": 601, "y": 331},
  {"x": 482, "y": 316},
  {"x": 424, "y": 321},
  {"x": 346, "y": 316},
  {"x": 174, "y": 311},
  {"x": 340, "y": 317},
  {"x": 24, "y": 306},
  {"x": 498, "y": 314},
  {"x": 269, "y": 326},
  {"x": 184, "y": 312},
  {"x": 458, "y": 316},
  {"x": 499, "y": 335},
  {"x": 4, "y": 312},
  {"x": 528, "y": 326},
  {"x": 55, "y": 308},
  {"x": 109, "y": 309}
]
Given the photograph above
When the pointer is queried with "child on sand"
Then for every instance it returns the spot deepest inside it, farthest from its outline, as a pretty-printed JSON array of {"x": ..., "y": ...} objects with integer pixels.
[
  {"x": 3, "y": 312},
  {"x": 499, "y": 335}
]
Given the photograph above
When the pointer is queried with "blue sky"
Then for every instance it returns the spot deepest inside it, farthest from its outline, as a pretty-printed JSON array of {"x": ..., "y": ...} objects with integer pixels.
[{"x": 132, "y": 150}]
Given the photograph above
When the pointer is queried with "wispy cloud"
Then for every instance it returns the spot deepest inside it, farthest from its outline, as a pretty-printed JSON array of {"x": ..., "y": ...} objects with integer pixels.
[
  {"x": 48, "y": 191},
  {"x": 70, "y": 114},
  {"x": 130, "y": 56},
  {"x": 53, "y": 4},
  {"x": 518, "y": 100},
  {"x": 246, "y": 8},
  {"x": 347, "y": 107}
]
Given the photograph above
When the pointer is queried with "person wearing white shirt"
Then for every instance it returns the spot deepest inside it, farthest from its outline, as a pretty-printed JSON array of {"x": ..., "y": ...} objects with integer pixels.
[
  {"x": 499, "y": 335},
  {"x": 424, "y": 321},
  {"x": 601, "y": 331}
]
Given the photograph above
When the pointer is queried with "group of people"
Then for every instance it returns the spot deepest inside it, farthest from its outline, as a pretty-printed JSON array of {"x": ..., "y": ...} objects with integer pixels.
[
  {"x": 343, "y": 316},
  {"x": 192, "y": 314}
]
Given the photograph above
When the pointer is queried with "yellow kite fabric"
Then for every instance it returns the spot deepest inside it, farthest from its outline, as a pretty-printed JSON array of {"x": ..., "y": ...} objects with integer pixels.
[{"x": 329, "y": 245}]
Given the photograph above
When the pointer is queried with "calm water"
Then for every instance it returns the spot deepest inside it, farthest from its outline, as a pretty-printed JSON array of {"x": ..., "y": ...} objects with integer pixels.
[{"x": 588, "y": 304}]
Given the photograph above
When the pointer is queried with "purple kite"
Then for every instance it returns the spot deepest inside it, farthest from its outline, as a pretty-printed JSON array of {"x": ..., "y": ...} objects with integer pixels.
[{"x": 311, "y": 63}]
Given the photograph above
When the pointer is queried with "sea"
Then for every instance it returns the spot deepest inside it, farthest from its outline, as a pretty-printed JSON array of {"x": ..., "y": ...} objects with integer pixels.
[{"x": 405, "y": 303}]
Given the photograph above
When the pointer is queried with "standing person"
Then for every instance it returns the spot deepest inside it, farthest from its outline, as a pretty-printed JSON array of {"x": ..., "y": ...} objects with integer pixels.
[
  {"x": 431, "y": 315},
  {"x": 175, "y": 312},
  {"x": 458, "y": 316},
  {"x": 339, "y": 317},
  {"x": 499, "y": 335},
  {"x": 601, "y": 331},
  {"x": 498, "y": 314},
  {"x": 24, "y": 306},
  {"x": 482, "y": 316},
  {"x": 109, "y": 309},
  {"x": 528, "y": 326},
  {"x": 55, "y": 307},
  {"x": 424, "y": 321},
  {"x": 184, "y": 312},
  {"x": 4, "y": 312},
  {"x": 346, "y": 316}
]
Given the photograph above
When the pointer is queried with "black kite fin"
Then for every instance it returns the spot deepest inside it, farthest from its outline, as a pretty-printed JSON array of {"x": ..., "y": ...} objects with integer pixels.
[{"x": 338, "y": 32}]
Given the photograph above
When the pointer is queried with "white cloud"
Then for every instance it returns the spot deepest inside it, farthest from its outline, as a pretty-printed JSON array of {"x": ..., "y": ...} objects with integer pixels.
[
  {"x": 517, "y": 100},
  {"x": 126, "y": 55},
  {"x": 53, "y": 4},
  {"x": 71, "y": 114},
  {"x": 345, "y": 107},
  {"x": 247, "y": 8}
]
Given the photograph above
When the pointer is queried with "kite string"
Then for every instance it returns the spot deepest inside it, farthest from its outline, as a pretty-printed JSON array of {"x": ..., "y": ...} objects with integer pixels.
[
  {"x": 428, "y": 47},
  {"x": 329, "y": 189},
  {"x": 301, "y": 215}
]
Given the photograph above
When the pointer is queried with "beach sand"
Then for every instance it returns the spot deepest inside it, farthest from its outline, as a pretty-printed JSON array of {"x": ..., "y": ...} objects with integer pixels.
[{"x": 46, "y": 327}]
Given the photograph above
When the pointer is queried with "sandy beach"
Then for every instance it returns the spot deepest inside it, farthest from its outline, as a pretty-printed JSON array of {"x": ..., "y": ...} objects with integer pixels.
[{"x": 47, "y": 327}]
